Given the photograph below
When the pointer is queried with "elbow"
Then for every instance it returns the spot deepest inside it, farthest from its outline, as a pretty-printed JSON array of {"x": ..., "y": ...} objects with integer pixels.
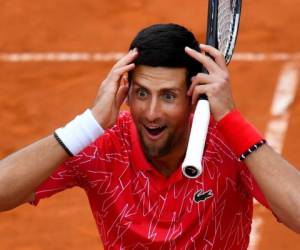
[
  {"x": 6, "y": 203},
  {"x": 4, "y": 198},
  {"x": 4, "y": 206},
  {"x": 296, "y": 219},
  {"x": 296, "y": 226},
  {"x": 10, "y": 199},
  {"x": 292, "y": 221},
  {"x": 297, "y": 230}
]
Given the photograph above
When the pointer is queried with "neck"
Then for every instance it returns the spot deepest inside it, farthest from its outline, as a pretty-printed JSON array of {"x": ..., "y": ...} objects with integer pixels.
[{"x": 167, "y": 164}]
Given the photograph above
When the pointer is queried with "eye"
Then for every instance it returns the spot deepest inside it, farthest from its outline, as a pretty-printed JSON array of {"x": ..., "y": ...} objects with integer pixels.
[
  {"x": 169, "y": 96},
  {"x": 141, "y": 93}
]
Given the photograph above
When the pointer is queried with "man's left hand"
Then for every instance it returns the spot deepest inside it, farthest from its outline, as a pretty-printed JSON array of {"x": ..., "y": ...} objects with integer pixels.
[{"x": 215, "y": 84}]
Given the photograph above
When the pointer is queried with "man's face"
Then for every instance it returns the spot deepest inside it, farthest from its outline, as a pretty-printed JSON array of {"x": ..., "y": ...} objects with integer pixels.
[{"x": 160, "y": 109}]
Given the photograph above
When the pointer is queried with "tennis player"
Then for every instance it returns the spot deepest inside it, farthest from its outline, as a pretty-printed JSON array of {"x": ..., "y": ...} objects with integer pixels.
[{"x": 129, "y": 163}]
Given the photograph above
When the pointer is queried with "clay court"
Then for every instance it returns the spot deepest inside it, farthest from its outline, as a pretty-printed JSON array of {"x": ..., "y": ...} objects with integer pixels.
[{"x": 54, "y": 54}]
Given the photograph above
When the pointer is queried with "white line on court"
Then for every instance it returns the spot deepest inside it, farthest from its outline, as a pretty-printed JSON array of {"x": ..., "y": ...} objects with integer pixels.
[
  {"x": 284, "y": 96},
  {"x": 266, "y": 56},
  {"x": 60, "y": 57},
  {"x": 254, "y": 236},
  {"x": 113, "y": 56}
]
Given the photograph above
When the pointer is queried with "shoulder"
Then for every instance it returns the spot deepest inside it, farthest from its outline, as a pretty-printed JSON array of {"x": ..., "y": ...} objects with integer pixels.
[
  {"x": 121, "y": 127},
  {"x": 117, "y": 136},
  {"x": 124, "y": 120}
]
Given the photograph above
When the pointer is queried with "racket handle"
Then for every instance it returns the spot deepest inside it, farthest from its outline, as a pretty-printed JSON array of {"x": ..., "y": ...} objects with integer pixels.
[{"x": 192, "y": 164}]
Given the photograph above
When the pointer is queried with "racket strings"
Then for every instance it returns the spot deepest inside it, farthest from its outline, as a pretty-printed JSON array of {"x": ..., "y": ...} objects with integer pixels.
[{"x": 227, "y": 21}]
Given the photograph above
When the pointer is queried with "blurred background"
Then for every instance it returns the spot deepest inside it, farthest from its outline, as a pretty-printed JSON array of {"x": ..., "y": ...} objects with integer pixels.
[{"x": 54, "y": 55}]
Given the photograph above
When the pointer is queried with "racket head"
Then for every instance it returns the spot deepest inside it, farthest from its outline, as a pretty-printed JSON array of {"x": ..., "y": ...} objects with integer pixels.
[{"x": 222, "y": 25}]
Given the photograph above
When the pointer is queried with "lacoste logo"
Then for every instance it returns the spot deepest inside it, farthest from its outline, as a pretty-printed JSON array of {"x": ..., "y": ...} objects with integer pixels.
[{"x": 202, "y": 196}]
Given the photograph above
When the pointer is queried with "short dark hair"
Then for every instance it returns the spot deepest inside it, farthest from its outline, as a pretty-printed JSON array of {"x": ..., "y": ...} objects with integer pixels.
[{"x": 162, "y": 45}]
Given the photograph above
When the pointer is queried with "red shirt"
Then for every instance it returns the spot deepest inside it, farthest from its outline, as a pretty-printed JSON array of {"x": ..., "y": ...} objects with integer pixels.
[{"x": 136, "y": 207}]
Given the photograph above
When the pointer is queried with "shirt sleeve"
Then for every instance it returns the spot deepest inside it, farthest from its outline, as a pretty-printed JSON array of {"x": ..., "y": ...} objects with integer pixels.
[
  {"x": 254, "y": 190},
  {"x": 252, "y": 187},
  {"x": 67, "y": 175}
]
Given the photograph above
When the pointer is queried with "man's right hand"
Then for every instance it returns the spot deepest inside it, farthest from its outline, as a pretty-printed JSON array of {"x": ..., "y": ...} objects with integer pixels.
[{"x": 113, "y": 91}]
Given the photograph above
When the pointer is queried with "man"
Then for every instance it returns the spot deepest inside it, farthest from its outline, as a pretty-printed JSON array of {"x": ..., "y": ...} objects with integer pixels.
[{"x": 132, "y": 171}]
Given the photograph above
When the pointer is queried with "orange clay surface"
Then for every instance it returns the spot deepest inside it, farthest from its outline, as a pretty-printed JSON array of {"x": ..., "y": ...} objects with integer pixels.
[{"x": 37, "y": 97}]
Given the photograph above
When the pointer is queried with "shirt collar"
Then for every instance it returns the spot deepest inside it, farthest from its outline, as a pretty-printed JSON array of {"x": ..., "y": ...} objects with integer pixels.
[
  {"x": 140, "y": 162},
  {"x": 138, "y": 157}
]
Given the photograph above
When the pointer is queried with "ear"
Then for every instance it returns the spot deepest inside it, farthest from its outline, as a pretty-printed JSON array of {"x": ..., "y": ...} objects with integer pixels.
[{"x": 124, "y": 81}]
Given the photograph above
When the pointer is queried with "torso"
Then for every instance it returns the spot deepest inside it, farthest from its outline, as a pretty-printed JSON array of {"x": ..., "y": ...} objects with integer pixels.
[{"x": 136, "y": 207}]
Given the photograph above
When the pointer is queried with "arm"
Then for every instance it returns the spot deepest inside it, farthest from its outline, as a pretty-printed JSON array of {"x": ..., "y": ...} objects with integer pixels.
[
  {"x": 278, "y": 180},
  {"x": 280, "y": 183},
  {"x": 23, "y": 171}
]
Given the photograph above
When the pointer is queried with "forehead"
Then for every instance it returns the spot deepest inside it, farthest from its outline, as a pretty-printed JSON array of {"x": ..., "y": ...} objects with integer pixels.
[{"x": 159, "y": 77}]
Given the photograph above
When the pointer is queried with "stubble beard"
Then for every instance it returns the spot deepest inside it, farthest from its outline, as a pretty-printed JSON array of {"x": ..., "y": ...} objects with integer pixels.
[{"x": 156, "y": 151}]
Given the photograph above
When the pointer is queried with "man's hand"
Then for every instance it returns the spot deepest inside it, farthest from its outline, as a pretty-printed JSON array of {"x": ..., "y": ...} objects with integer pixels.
[
  {"x": 113, "y": 91},
  {"x": 215, "y": 84}
]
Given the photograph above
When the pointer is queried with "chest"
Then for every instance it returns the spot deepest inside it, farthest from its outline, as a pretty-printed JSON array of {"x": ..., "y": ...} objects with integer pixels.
[
  {"x": 146, "y": 196},
  {"x": 141, "y": 206}
]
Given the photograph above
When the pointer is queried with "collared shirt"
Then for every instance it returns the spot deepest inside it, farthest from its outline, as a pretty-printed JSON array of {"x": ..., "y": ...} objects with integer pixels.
[{"x": 136, "y": 207}]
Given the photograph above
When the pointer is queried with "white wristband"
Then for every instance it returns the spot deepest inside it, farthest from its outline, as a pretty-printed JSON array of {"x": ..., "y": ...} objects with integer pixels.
[{"x": 80, "y": 132}]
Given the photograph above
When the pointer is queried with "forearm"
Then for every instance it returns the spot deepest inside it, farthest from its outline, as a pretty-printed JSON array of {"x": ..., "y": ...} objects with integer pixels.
[
  {"x": 22, "y": 171},
  {"x": 278, "y": 180},
  {"x": 280, "y": 183}
]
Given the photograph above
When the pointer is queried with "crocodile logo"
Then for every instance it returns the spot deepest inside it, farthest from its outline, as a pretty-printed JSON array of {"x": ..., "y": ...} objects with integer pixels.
[{"x": 200, "y": 195}]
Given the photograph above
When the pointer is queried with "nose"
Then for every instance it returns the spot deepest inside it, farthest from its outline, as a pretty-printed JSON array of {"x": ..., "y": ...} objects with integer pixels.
[{"x": 153, "y": 111}]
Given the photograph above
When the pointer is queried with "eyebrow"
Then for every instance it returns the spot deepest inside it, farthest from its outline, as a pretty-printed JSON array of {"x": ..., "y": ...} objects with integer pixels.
[{"x": 161, "y": 90}]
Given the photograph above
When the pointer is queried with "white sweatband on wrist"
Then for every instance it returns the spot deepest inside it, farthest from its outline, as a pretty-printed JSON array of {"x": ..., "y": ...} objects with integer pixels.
[{"x": 79, "y": 133}]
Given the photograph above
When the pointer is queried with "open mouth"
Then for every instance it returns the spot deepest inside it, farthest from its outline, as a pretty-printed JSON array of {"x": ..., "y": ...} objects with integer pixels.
[{"x": 155, "y": 131}]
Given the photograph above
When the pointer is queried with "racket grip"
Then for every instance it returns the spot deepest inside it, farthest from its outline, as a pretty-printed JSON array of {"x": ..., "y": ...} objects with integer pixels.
[
  {"x": 203, "y": 97},
  {"x": 192, "y": 164}
]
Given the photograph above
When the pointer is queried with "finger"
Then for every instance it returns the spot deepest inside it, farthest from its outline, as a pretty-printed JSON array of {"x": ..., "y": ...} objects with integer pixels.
[
  {"x": 198, "y": 90},
  {"x": 214, "y": 53},
  {"x": 124, "y": 79},
  {"x": 206, "y": 61},
  {"x": 116, "y": 74},
  {"x": 128, "y": 58},
  {"x": 199, "y": 79}
]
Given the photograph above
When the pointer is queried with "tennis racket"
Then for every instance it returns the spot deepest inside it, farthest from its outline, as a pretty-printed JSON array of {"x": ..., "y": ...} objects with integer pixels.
[{"x": 222, "y": 29}]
